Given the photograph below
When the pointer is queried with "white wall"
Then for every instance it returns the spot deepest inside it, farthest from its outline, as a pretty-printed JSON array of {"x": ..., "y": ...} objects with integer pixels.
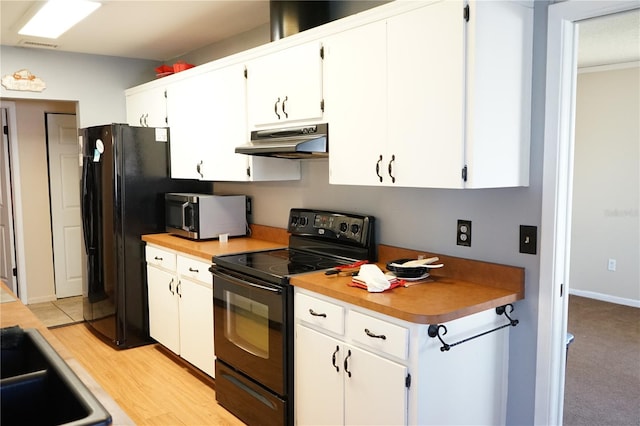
[
  {"x": 96, "y": 82},
  {"x": 606, "y": 194}
]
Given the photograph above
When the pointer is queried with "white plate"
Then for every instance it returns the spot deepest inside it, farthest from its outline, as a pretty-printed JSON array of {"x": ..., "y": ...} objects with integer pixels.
[{"x": 421, "y": 277}]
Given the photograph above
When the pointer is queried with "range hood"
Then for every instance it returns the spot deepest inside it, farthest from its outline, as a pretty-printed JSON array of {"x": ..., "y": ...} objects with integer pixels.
[{"x": 310, "y": 141}]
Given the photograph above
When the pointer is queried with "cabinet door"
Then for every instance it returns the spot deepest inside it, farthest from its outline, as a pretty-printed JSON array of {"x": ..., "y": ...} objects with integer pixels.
[
  {"x": 208, "y": 121},
  {"x": 356, "y": 104},
  {"x": 163, "y": 308},
  {"x": 426, "y": 95},
  {"x": 375, "y": 391},
  {"x": 196, "y": 324},
  {"x": 285, "y": 86},
  {"x": 319, "y": 396},
  {"x": 226, "y": 126},
  {"x": 189, "y": 108},
  {"x": 147, "y": 108}
]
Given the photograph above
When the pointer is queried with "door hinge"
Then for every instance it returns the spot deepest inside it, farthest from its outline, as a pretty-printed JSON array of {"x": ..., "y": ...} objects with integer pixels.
[
  {"x": 322, "y": 105},
  {"x": 245, "y": 72},
  {"x": 322, "y": 52},
  {"x": 562, "y": 290},
  {"x": 5, "y": 130},
  {"x": 249, "y": 171},
  {"x": 165, "y": 94},
  {"x": 464, "y": 173},
  {"x": 407, "y": 381},
  {"x": 465, "y": 13},
  {"x": 15, "y": 272}
]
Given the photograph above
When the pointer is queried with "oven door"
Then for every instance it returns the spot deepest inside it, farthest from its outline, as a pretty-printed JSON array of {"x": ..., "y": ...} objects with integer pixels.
[{"x": 249, "y": 327}]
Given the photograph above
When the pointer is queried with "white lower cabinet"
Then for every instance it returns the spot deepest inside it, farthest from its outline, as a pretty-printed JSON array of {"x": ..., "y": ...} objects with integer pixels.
[
  {"x": 339, "y": 384},
  {"x": 355, "y": 366},
  {"x": 181, "y": 305}
]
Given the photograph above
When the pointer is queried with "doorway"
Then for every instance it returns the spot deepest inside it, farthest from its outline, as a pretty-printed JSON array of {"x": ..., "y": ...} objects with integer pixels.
[{"x": 555, "y": 244}]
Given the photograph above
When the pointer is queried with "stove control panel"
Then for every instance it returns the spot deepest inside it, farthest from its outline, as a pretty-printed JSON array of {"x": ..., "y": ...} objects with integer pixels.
[{"x": 332, "y": 226}]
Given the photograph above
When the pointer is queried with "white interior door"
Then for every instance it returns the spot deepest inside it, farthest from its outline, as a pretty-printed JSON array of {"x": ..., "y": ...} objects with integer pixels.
[
  {"x": 7, "y": 252},
  {"x": 64, "y": 185}
]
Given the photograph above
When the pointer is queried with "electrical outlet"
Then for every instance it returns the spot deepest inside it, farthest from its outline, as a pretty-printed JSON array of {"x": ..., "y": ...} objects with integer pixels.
[
  {"x": 528, "y": 239},
  {"x": 464, "y": 233},
  {"x": 611, "y": 266}
]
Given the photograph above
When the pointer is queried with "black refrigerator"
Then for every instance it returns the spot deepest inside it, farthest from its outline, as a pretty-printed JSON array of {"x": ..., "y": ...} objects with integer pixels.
[{"x": 125, "y": 174}]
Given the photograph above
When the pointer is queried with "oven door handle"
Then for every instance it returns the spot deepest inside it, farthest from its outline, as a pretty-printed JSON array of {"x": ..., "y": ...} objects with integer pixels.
[{"x": 245, "y": 282}]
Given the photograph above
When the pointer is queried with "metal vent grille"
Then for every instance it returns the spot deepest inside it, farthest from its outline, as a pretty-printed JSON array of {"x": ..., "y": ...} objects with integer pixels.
[{"x": 37, "y": 44}]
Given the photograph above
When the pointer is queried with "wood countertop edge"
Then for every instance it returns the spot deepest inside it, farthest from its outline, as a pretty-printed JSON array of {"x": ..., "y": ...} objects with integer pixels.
[
  {"x": 16, "y": 313},
  {"x": 394, "y": 303}
]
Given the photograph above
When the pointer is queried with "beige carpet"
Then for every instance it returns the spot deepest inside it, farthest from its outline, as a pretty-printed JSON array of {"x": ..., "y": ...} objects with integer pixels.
[{"x": 603, "y": 368}]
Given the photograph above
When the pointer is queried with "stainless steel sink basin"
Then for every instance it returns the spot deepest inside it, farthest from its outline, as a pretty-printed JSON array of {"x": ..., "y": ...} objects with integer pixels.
[{"x": 38, "y": 387}]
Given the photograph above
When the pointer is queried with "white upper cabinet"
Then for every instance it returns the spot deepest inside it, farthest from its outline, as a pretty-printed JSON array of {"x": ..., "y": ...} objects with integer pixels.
[
  {"x": 285, "y": 87},
  {"x": 498, "y": 101},
  {"x": 208, "y": 120},
  {"x": 427, "y": 98},
  {"x": 147, "y": 108},
  {"x": 356, "y": 99},
  {"x": 207, "y": 117}
]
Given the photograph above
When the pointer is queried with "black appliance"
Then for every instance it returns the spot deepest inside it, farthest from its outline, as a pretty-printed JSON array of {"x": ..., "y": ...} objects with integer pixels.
[
  {"x": 253, "y": 310},
  {"x": 125, "y": 174}
]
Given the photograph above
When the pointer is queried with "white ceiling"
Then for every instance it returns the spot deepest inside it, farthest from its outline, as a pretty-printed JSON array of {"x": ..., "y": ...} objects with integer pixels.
[
  {"x": 610, "y": 39},
  {"x": 163, "y": 30},
  {"x": 146, "y": 29}
]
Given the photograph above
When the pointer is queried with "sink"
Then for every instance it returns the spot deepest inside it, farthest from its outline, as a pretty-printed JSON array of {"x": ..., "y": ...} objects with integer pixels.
[{"x": 38, "y": 387}]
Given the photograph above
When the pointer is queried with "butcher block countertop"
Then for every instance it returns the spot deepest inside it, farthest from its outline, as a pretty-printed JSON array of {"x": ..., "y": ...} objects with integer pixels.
[
  {"x": 462, "y": 287},
  {"x": 208, "y": 248}
]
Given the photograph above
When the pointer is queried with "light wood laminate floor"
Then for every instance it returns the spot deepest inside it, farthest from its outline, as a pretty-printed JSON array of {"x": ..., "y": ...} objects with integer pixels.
[{"x": 150, "y": 386}]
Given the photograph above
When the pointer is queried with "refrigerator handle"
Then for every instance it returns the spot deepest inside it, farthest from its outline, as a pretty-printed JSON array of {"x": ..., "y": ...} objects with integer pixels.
[{"x": 85, "y": 204}]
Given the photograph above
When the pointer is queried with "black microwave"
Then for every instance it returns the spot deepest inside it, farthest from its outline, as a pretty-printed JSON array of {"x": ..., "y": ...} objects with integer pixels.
[{"x": 205, "y": 216}]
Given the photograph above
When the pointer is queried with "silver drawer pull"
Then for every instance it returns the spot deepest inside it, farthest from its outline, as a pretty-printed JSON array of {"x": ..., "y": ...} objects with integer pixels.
[
  {"x": 193, "y": 270},
  {"x": 375, "y": 336},
  {"x": 315, "y": 314}
]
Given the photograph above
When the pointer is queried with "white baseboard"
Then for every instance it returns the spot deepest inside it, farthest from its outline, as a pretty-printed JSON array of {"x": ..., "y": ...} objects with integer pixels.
[
  {"x": 606, "y": 297},
  {"x": 42, "y": 299}
]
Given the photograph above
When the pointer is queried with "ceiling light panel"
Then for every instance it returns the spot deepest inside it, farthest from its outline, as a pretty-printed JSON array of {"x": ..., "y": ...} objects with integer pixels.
[{"x": 57, "y": 16}]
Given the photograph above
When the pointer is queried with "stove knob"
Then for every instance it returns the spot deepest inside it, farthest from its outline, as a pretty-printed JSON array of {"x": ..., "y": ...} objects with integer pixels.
[
  {"x": 303, "y": 221},
  {"x": 344, "y": 227},
  {"x": 355, "y": 228},
  {"x": 294, "y": 220}
]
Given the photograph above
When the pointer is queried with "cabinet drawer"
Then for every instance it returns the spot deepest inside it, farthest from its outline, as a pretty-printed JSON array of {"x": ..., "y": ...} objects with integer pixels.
[
  {"x": 378, "y": 334},
  {"x": 159, "y": 257},
  {"x": 320, "y": 313},
  {"x": 195, "y": 269}
]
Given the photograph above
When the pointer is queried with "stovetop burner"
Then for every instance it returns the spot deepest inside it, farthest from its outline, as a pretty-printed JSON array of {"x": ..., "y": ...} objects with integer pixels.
[
  {"x": 319, "y": 240},
  {"x": 281, "y": 262}
]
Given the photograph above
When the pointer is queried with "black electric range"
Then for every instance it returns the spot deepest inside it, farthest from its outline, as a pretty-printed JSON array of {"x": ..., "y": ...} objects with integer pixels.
[{"x": 253, "y": 310}]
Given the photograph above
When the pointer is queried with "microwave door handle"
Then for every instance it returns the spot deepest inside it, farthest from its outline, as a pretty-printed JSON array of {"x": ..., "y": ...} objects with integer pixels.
[{"x": 184, "y": 216}]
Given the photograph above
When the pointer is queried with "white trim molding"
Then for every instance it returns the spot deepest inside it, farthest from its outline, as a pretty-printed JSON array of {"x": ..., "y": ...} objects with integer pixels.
[{"x": 562, "y": 38}]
